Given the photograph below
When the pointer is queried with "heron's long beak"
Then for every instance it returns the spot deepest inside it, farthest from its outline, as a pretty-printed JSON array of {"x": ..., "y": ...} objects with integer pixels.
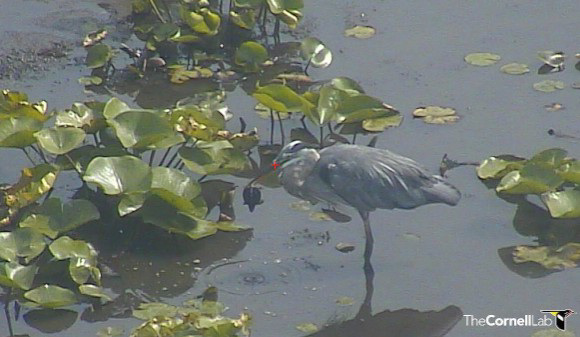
[{"x": 267, "y": 171}]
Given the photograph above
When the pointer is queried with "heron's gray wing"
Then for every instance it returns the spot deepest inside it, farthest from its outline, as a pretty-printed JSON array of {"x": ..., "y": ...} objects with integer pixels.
[{"x": 368, "y": 178}]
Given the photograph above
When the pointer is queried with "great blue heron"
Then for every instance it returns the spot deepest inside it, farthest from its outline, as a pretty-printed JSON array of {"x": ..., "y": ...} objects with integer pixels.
[{"x": 361, "y": 177}]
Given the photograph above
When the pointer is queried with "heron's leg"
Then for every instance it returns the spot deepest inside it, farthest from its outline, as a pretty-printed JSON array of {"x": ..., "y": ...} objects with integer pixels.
[{"x": 368, "y": 267}]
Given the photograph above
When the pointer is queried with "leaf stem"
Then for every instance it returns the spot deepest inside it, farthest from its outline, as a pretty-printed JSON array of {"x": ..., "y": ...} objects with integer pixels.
[{"x": 156, "y": 10}]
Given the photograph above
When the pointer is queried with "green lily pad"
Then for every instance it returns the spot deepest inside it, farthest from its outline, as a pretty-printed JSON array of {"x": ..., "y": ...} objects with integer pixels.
[
  {"x": 244, "y": 141},
  {"x": 360, "y": 32},
  {"x": 328, "y": 103},
  {"x": 308, "y": 328},
  {"x": 51, "y": 296},
  {"x": 60, "y": 140},
  {"x": 279, "y": 97},
  {"x": 147, "y": 311},
  {"x": 563, "y": 204},
  {"x": 551, "y": 158},
  {"x": 347, "y": 85},
  {"x": 81, "y": 269},
  {"x": 217, "y": 157},
  {"x": 314, "y": 51},
  {"x": 266, "y": 113},
  {"x": 18, "y": 132},
  {"x": 358, "y": 108},
  {"x": 131, "y": 202},
  {"x": 549, "y": 85},
  {"x": 515, "y": 69},
  {"x": 65, "y": 248},
  {"x": 114, "y": 107},
  {"x": 79, "y": 116},
  {"x": 98, "y": 56},
  {"x": 319, "y": 216},
  {"x": 203, "y": 21},
  {"x": 531, "y": 179},
  {"x": 244, "y": 18},
  {"x": 180, "y": 74},
  {"x": 94, "y": 291},
  {"x": 482, "y": 59},
  {"x": 21, "y": 242},
  {"x": 34, "y": 183},
  {"x": 558, "y": 258},
  {"x": 497, "y": 167},
  {"x": 90, "y": 80},
  {"x": 381, "y": 123},
  {"x": 345, "y": 301},
  {"x": 15, "y": 275},
  {"x": 570, "y": 171},
  {"x": 116, "y": 175},
  {"x": 164, "y": 31},
  {"x": 53, "y": 217},
  {"x": 142, "y": 129},
  {"x": 251, "y": 55},
  {"x": 436, "y": 114}
]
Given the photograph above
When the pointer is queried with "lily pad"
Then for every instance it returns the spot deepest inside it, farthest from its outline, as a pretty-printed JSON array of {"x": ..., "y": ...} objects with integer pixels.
[
  {"x": 308, "y": 328},
  {"x": 563, "y": 204},
  {"x": 319, "y": 216},
  {"x": 565, "y": 257},
  {"x": 18, "y": 132},
  {"x": 360, "y": 32},
  {"x": 60, "y": 140},
  {"x": 381, "y": 123},
  {"x": 34, "y": 183},
  {"x": 549, "y": 85},
  {"x": 114, "y": 107},
  {"x": 279, "y": 97},
  {"x": 116, "y": 175},
  {"x": 217, "y": 157},
  {"x": 51, "y": 296},
  {"x": 497, "y": 167},
  {"x": 202, "y": 21},
  {"x": 65, "y": 248},
  {"x": 436, "y": 114},
  {"x": 265, "y": 113},
  {"x": 515, "y": 69},
  {"x": 94, "y": 291},
  {"x": 482, "y": 59},
  {"x": 551, "y": 158},
  {"x": 90, "y": 80},
  {"x": 533, "y": 178},
  {"x": 144, "y": 129},
  {"x": 244, "y": 18},
  {"x": 53, "y": 217},
  {"x": 180, "y": 74},
  {"x": 251, "y": 55},
  {"x": 21, "y": 242},
  {"x": 15, "y": 275},
  {"x": 315, "y": 52},
  {"x": 345, "y": 301},
  {"x": 570, "y": 171},
  {"x": 98, "y": 56}
]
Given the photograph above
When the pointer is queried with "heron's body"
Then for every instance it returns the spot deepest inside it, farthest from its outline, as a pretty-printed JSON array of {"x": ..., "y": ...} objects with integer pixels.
[{"x": 364, "y": 178}]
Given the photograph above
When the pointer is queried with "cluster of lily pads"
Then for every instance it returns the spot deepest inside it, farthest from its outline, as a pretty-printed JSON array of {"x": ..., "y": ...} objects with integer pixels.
[{"x": 555, "y": 177}]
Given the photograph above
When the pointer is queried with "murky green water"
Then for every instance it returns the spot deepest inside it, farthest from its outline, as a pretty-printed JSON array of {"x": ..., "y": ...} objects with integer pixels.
[{"x": 435, "y": 258}]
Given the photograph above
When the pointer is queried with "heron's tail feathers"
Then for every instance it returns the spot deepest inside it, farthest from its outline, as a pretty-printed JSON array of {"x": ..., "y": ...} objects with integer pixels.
[{"x": 442, "y": 192}]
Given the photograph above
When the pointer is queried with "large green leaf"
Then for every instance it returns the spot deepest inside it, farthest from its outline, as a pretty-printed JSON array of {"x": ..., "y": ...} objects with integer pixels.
[
  {"x": 551, "y": 158},
  {"x": 81, "y": 116},
  {"x": 114, "y": 107},
  {"x": 531, "y": 179},
  {"x": 279, "y": 97},
  {"x": 53, "y": 217},
  {"x": 498, "y": 166},
  {"x": 217, "y": 157},
  {"x": 347, "y": 85},
  {"x": 131, "y": 202},
  {"x": 51, "y": 296},
  {"x": 357, "y": 108},
  {"x": 94, "y": 291},
  {"x": 244, "y": 18},
  {"x": 21, "y": 242},
  {"x": 175, "y": 182},
  {"x": 570, "y": 171},
  {"x": 251, "y": 55},
  {"x": 279, "y": 6},
  {"x": 203, "y": 21},
  {"x": 18, "y": 132},
  {"x": 15, "y": 275},
  {"x": 328, "y": 102},
  {"x": 82, "y": 255},
  {"x": 15, "y": 104},
  {"x": 142, "y": 129},
  {"x": 116, "y": 175},
  {"x": 99, "y": 55},
  {"x": 60, "y": 140},
  {"x": 563, "y": 204}
]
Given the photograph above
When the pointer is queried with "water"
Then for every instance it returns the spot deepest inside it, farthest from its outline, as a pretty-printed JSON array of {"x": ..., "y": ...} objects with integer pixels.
[{"x": 433, "y": 264}]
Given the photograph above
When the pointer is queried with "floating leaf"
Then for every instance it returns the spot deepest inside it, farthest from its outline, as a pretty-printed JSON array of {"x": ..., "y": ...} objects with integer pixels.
[
  {"x": 570, "y": 171},
  {"x": 15, "y": 275},
  {"x": 65, "y": 248},
  {"x": 114, "y": 107},
  {"x": 164, "y": 31},
  {"x": 319, "y": 216},
  {"x": 34, "y": 182},
  {"x": 180, "y": 74},
  {"x": 51, "y": 296},
  {"x": 265, "y": 113},
  {"x": 18, "y": 132},
  {"x": 21, "y": 242},
  {"x": 497, "y": 167},
  {"x": 360, "y": 32},
  {"x": 116, "y": 175},
  {"x": 144, "y": 129},
  {"x": 345, "y": 301},
  {"x": 216, "y": 157},
  {"x": 308, "y": 328},
  {"x": 53, "y": 217},
  {"x": 549, "y": 85},
  {"x": 515, "y": 69},
  {"x": 202, "y": 21},
  {"x": 147, "y": 311},
  {"x": 347, "y": 85},
  {"x": 98, "y": 56},
  {"x": 482, "y": 59},
  {"x": 380, "y": 124},
  {"x": 279, "y": 97},
  {"x": 251, "y": 55},
  {"x": 563, "y": 204},
  {"x": 551, "y": 158},
  {"x": 244, "y": 18},
  {"x": 93, "y": 38},
  {"x": 94, "y": 291},
  {"x": 533, "y": 178},
  {"x": 436, "y": 114},
  {"x": 90, "y": 80},
  {"x": 564, "y": 257},
  {"x": 315, "y": 52},
  {"x": 60, "y": 140}
]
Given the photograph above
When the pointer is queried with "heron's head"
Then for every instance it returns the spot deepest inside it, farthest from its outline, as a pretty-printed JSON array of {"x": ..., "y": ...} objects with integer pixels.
[{"x": 292, "y": 151}]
